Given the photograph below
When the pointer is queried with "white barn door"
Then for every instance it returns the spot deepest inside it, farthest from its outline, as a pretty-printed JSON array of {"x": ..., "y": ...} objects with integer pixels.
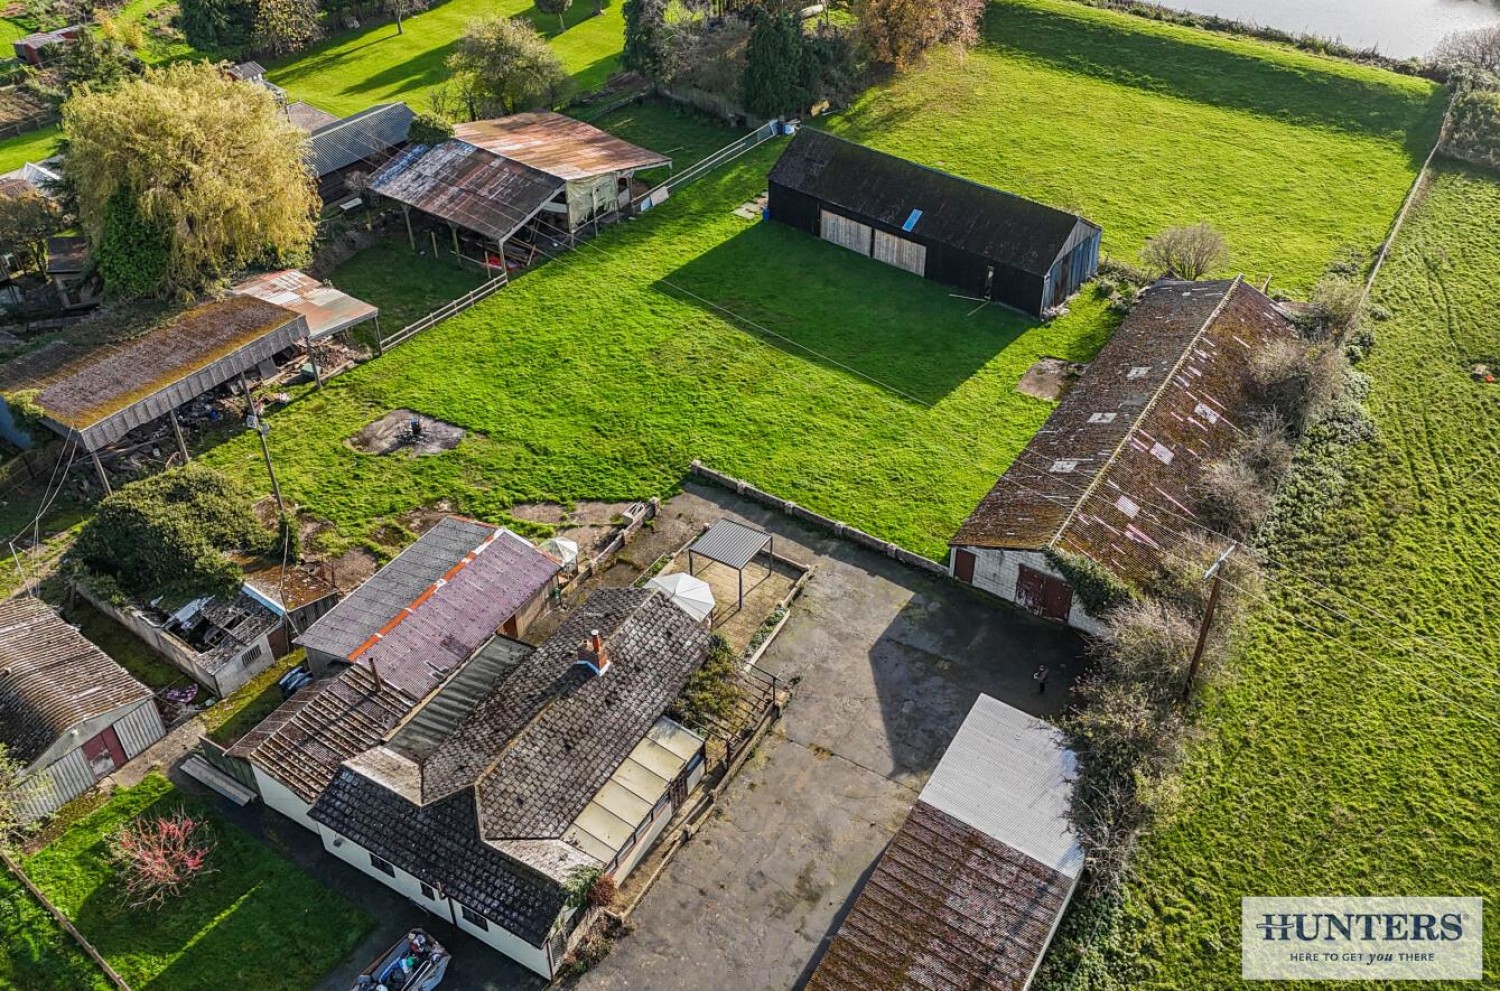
[
  {"x": 900, "y": 252},
  {"x": 845, "y": 233}
]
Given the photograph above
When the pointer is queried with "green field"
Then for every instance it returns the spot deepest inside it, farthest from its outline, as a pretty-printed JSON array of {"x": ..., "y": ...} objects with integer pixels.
[
  {"x": 356, "y": 69},
  {"x": 1355, "y": 738},
  {"x": 35, "y": 953},
  {"x": 247, "y": 924},
  {"x": 33, "y": 146},
  {"x": 1141, "y": 126},
  {"x": 601, "y": 376}
]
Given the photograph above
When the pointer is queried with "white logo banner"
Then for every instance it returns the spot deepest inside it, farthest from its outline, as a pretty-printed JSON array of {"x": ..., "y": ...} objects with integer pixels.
[{"x": 1370, "y": 939}]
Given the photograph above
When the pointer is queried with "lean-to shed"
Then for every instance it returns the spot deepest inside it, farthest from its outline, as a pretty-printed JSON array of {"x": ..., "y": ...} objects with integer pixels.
[{"x": 989, "y": 244}]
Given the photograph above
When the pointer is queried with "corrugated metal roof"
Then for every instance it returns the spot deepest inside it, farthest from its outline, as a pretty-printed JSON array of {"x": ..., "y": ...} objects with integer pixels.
[
  {"x": 557, "y": 145},
  {"x": 104, "y": 392},
  {"x": 367, "y": 134},
  {"x": 326, "y": 310},
  {"x": 307, "y": 118},
  {"x": 368, "y": 608},
  {"x": 939, "y": 207},
  {"x": 1111, "y": 473},
  {"x": 52, "y": 678},
  {"x": 732, "y": 543},
  {"x": 467, "y": 186},
  {"x": 1010, "y": 776}
]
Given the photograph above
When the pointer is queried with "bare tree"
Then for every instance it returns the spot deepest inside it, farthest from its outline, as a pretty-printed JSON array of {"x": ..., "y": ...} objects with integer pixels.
[
  {"x": 1479, "y": 49},
  {"x": 1187, "y": 252},
  {"x": 161, "y": 856}
]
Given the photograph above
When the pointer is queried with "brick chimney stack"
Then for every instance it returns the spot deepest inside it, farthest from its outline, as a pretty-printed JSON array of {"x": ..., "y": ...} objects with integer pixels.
[{"x": 593, "y": 653}]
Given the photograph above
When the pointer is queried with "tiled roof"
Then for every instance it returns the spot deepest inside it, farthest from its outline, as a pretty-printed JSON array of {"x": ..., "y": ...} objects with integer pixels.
[
  {"x": 934, "y": 205},
  {"x": 1110, "y": 475},
  {"x": 477, "y": 797},
  {"x": 947, "y": 908},
  {"x": 552, "y": 732},
  {"x": 467, "y": 186},
  {"x": 52, "y": 678},
  {"x": 439, "y": 843},
  {"x": 970, "y": 889},
  {"x": 303, "y": 742},
  {"x": 558, "y": 145}
]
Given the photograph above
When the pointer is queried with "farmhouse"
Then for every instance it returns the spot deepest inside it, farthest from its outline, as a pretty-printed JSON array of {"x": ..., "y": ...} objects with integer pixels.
[
  {"x": 95, "y": 395},
  {"x": 68, "y": 713},
  {"x": 595, "y": 167},
  {"x": 496, "y": 178},
  {"x": 989, "y": 244},
  {"x": 971, "y": 889},
  {"x": 1110, "y": 476},
  {"x": 483, "y": 792}
]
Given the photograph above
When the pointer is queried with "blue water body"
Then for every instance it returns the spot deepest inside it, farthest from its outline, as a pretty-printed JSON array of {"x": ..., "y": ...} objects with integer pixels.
[{"x": 1400, "y": 28}]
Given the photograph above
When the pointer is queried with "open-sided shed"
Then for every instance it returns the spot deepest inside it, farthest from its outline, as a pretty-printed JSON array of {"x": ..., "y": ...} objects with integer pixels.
[
  {"x": 95, "y": 395},
  {"x": 990, "y": 244},
  {"x": 326, "y": 310}
]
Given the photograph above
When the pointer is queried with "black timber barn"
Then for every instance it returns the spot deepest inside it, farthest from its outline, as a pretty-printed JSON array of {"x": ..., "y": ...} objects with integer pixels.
[{"x": 989, "y": 244}]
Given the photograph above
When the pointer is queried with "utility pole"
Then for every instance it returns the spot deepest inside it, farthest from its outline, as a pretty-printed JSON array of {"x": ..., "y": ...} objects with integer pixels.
[{"x": 1215, "y": 573}]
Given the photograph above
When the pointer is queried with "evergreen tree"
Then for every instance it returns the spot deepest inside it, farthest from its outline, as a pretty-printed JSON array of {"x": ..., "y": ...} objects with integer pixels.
[
  {"x": 774, "y": 71},
  {"x": 645, "y": 37}
]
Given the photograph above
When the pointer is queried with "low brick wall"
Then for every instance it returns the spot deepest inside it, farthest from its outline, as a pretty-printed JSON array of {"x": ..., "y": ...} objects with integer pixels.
[{"x": 839, "y": 529}]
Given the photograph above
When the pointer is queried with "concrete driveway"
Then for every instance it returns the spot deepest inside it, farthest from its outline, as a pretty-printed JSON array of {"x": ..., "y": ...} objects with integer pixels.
[{"x": 886, "y": 662}]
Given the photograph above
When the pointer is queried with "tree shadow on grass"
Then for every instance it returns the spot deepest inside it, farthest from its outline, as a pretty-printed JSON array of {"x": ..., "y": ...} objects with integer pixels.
[
  {"x": 1212, "y": 74},
  {"x": 823, "y": 303},
  {"x": 426, "y": 68},
  {"x": 244, "y": 925}
]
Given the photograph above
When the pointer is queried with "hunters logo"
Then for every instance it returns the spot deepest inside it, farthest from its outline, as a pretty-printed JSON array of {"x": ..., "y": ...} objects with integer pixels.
[{"x": 1375, "y": 939}]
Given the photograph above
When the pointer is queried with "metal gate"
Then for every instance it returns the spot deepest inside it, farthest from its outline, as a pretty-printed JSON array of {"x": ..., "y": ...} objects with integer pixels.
[{"x": 1043, "y": 594}]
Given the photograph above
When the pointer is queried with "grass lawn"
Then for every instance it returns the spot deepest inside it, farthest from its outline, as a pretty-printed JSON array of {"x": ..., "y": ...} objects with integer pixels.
[
  {"x": 353, "y": 70},
  {"x": 35, "y": 953},
  {"x": 405, "y": 287},
  {"x": 254, "y": 922},
  {"x": 599, "y": 376},
  {"x": 1142, "y": 126},
  {"x": 253, "y": 701},
  {"x": 1354, "y": 742},
  {"x": 33, "y": 146}
]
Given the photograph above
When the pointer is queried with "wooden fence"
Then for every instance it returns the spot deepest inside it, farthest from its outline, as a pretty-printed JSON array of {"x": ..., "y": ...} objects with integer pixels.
[
  {"x": 62, "y": 920},
  {"x": 701, "y": 168},
  {"x": 442, "y": 313}
]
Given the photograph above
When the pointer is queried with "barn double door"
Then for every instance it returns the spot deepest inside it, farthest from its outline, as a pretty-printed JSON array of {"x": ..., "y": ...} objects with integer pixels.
[
  {"x": 104, "y": 753},
  {"x": 889, "y": 248},
  {"x": 1043, "y": 594}
]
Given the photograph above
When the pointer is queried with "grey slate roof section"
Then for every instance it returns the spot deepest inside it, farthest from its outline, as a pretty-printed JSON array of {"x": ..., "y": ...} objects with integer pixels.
[
  {"x": 979, "y": 219},
  {"x": 1010, "y": 776},
  {"x": 552, "y": 733},
  {"x": 354, "y": 620},
  {"x": 359, "y": 136},
  {"x": 439, "y": 843},
  {"x": 731, "y": 543},
  {"x": 52, "y": 679}
]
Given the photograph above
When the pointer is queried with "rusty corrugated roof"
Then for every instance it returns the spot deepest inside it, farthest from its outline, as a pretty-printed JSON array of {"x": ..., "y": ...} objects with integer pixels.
[
  {"x": 52, "y": 679},
  {"x": 467, "y": 186},
  {"x": 559, "y": 146},
  {"x": 327, "y": 310},
  {"x": 1110, "y": 474}
]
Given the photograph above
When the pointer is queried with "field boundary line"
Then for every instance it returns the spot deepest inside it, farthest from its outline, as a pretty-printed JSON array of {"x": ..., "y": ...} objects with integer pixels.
[
  {"x": 62, "y": 920},
  {"x": 1411, "y": 198}
]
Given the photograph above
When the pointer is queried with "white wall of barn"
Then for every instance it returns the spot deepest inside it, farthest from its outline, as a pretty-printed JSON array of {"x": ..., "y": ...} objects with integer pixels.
[
  {"x": 497, "y": 936},
  {"x": 996, "y": 571},
  {"x": 281, "y": 798}
]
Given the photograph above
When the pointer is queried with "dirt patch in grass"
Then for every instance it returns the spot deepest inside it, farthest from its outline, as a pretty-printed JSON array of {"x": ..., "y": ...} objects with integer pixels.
[
  {"x": 353, "y": 569},
  {"x": 1050, "y": 378},
  {"x": 590, "y": 523},
  {"x": 409, "y": 432},
  {"x": 424, "y": 518}
]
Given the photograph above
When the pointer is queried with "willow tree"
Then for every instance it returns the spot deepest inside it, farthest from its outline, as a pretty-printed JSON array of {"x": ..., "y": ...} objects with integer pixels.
[{"x": 210, "y": 163}]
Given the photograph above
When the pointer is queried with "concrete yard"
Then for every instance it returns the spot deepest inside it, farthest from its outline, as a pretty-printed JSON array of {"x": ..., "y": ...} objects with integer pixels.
[{"x": 886, "y": 662}]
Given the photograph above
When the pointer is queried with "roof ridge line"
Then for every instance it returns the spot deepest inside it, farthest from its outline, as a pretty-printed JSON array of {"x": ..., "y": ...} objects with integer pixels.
[{"x": 1141, "y": 416}]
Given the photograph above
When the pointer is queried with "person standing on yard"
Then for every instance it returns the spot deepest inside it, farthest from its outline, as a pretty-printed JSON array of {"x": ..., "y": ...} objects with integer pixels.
[{"x": 1041, "y": 679}]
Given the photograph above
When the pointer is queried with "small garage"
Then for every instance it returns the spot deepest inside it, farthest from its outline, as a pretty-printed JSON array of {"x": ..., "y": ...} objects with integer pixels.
[
  {"x": 68, "y": 713},
  {"x": 989, "y": 244}
]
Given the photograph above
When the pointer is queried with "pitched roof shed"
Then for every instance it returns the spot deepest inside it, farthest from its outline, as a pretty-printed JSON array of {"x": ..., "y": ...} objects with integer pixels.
[{"x": 557, "y": 145}]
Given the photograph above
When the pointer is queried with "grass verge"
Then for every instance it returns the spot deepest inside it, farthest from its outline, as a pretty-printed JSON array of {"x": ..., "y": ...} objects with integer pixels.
[
  {"x": 255, "y": 921},
  {"x": 1351, "y": 745}
]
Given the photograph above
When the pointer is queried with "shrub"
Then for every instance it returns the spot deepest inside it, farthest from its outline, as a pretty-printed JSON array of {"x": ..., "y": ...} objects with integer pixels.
[
  {"x": 1476, "y": 50},
  {"x": 1336, "y": 304},
  {"x": 1474, "y": 132},
  {"x": 160, "y": 857},
  {"x": 27, "y": 219},
  {"x": 775, "y": 69},
  {"x": 715, "y": 690},
  {"x": 558, "y": 7},
  {"x": 429, "y": 129},
  {"x": 1231, "y": 498},
  {"x": 1187, "y": 252},
  {"x": 1288, "y": 378},
  {"x": 216, "y": 25},
  {"x": 168, "y": 535},
  {"x": 1099, "y": 590},
  {"x": 134, "y": 253}
]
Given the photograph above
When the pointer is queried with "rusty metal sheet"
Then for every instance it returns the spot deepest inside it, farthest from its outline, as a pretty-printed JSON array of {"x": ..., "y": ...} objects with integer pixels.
[{"x": 559, "y": 146}]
